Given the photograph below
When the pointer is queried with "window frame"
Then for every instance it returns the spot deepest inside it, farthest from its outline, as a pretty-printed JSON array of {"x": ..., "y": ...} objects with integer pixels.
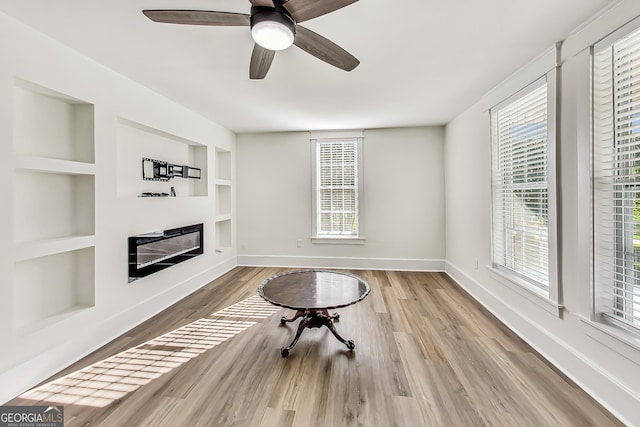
[
  {"x": 603, "y": 305},
  {"x": 316, "y": 137},
  {"x": 549, "y": 296}
]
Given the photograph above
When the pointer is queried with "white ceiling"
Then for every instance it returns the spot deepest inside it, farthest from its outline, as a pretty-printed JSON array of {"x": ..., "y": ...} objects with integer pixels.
[{"x": 422, "y": 61}]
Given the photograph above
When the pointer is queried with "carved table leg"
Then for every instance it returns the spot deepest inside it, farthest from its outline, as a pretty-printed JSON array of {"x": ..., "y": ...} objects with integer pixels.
[
  {"x": 304, "y": 323},
  {"x": 334, "y": 316},
  {"x": 314, "y": 319},
  {"x": 329, "y": 324},
  {"x": 298, "y": 314}
]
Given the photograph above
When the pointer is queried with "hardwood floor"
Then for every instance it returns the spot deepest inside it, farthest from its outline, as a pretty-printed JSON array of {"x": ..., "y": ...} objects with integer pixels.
[{"x": 426, "y": 355}]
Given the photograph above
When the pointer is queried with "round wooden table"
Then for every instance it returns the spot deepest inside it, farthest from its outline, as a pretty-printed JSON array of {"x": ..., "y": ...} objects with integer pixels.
[{"x": 312, "y": 293}]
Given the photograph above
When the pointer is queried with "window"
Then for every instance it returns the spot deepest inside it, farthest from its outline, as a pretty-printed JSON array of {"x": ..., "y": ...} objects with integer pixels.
[
  {"x": 523, "y": 150},
  {"x": 337, "y": 188},
  {"x": 337, "y": 185},
  {"x": 616, "y": 178}
]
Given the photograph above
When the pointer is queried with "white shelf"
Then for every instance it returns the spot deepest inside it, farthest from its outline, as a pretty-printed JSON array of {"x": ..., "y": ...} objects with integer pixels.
[
  {"x": 45, "y": 164},
  {"x": 223, "y": 182},
  {"x": 45, "y": 247},
  {"x": 223, "y": 217}
]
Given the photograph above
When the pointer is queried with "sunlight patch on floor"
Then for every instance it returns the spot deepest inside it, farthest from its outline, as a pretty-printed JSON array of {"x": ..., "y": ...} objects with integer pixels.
[
  {"x": 254, "y": 307},
  {"x": 102, "y": 383}
]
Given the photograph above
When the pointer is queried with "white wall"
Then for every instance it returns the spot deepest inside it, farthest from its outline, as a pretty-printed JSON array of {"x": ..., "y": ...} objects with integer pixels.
[
  {"x": 606, "y": 364},
  {"x": 403, "y": 207},
  {"x": 32, "y": 353}
]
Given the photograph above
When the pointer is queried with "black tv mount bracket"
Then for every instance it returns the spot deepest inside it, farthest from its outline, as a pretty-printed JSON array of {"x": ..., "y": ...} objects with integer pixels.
[{"x": 158, "y": 170}]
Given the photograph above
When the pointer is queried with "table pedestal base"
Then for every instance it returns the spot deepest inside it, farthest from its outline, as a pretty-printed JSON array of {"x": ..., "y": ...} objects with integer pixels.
[{"x": 313, "y": 319}]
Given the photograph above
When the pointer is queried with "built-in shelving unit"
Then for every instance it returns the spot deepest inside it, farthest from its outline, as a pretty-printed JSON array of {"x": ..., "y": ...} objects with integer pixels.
[
  {"x": 54, "y": 205},
  {"x": 223, "y": 200}
]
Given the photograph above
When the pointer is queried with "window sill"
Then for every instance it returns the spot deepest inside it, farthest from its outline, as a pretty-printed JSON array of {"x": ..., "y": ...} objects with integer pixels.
[
  {"x": 526, "y": 290},
  {"x": 338, "y": 240},
  {"x": 611, "y": 336}
]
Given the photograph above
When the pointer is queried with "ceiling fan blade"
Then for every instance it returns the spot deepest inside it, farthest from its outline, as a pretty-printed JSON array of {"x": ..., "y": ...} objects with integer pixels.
[
  {"x": 303, "y": 10},
  {"x": 261, "y": 60},
  {"x": 266, "y": 3},
  {"x": 198, "y": 17},
  {"x": 324, "y": 49}
]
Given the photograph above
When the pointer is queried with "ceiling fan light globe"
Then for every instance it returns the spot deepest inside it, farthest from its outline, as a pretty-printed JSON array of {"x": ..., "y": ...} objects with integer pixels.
[{"x": 272, "y": 35}]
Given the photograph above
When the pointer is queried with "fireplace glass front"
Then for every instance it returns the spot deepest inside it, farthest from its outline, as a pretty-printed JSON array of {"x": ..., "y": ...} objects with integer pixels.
[{"x": 152, "y": 252}]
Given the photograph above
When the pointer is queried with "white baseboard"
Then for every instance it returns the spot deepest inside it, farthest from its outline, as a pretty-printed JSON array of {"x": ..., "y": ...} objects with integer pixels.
[
  {"x": 614, "y": 396},
  {"x": 28, "y": 374},
  {"x": 397, "y": 264}
]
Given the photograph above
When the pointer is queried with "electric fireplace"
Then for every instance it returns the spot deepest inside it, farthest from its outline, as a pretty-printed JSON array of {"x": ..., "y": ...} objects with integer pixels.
[{"x": 152, "y": 252}]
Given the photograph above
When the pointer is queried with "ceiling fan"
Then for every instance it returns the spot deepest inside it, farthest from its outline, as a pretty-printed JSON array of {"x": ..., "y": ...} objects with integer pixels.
[{"x": 274, "y": 26}]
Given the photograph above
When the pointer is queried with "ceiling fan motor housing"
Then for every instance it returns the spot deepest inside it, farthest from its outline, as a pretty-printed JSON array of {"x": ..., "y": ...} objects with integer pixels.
[{"x": 272, "y": 15}]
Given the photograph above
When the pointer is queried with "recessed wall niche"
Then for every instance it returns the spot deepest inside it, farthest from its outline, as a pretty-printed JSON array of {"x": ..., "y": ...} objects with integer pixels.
[
  {"x": 52, "y": 205},
  {"x": 137, "y": 141},
  {"x": 51, "y": 287},
  {"x": 223, "y": 235},
  {"x": 52, "y": 125}
]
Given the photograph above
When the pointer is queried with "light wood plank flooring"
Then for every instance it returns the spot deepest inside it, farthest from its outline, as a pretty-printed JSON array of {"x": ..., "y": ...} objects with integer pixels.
[{"x": 426, "y": 355}]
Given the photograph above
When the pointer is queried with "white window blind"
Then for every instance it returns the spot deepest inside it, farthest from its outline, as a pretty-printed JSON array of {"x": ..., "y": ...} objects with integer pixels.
[
  {"x": 616, "y": 163},
  {"x": 520, "y": 186},
  {"x": 337, "y": 188}
]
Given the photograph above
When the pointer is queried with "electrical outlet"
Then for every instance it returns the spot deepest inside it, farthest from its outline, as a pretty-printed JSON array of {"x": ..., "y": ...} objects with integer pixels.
[{"x": 299, "y": 243}]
